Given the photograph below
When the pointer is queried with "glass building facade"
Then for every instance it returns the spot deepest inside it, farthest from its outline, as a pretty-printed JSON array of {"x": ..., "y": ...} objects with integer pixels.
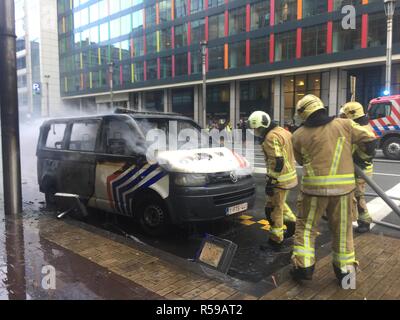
[{"x": 157, "y": 42}]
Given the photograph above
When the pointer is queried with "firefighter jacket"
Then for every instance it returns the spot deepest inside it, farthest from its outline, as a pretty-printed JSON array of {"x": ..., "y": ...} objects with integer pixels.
[
  {"x": 279, "y": 158},
  {"x": 326, "y": 153},
  {"x": 356, "y": 150}
]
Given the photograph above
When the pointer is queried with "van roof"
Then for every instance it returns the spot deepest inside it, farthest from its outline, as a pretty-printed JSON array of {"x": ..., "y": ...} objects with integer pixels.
[{"x": 386, "y": 98}]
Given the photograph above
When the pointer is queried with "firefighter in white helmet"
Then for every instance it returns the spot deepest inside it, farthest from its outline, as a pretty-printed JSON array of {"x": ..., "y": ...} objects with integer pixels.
[
  {"x": 355, "y": 112},
  {"x": 281, "y": 175},
  {"x": 323, "y": 146}
]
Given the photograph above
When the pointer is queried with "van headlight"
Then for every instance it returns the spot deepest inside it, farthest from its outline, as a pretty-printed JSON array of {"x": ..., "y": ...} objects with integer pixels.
[{"x": 190, "y": 180}]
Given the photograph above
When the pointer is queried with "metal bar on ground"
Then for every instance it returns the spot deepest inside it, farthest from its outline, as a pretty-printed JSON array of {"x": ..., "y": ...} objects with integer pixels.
[
  {"x": 375, "y": 195},
  {"x": 9, "y": 111},
  {"x": 386, "y": 224},
  {"x": 378, "y": 190}
]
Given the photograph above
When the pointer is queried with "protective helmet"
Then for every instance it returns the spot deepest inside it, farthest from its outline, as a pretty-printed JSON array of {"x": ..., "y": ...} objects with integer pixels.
[
  {"x": 259, "y": 119},
  {"x": 353, "y": 110},
  {"x": 308, "y": 105}
]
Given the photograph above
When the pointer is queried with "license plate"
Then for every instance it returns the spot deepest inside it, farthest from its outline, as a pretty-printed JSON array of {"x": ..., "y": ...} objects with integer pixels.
[{"x": 236, "y": 209}]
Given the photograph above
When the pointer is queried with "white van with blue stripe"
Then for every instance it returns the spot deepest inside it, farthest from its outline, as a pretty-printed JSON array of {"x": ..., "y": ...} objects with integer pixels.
[{"x": 103, "y": 160}]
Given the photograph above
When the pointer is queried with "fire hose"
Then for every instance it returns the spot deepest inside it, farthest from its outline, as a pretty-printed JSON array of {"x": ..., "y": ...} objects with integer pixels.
[{"x": 382, "y": 194}]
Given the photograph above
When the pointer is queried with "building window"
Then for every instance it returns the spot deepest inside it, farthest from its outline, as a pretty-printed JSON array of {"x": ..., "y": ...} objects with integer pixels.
[
  {"x": 260, "y": 15},
  {"x": 314, "y": 40},
  {"x": 196, "y": 6},
  {"x": 138, "y": 71},
  {"x": 166, "y": 67},
  {"x": 165, "y": 36},
  {"x": 377, "y": 30},
  {"x": 338, "y": 4},
  {"x": 237, "y": 21},
  {"x": 216, "y": 27},
  {"x": 197, "y": 31},
  {"x": 259, "y": 51},
  {"x": 181, "y": 35},
  {"x": 285, "y": 46},
  {"x": 154, "y": 101},
  {"x": 152, "y": 69},
  {"x": 150, "y": 16},
  {"x": 165, "y": 10},
  {"x": 151, "y": 42},
  {"x": 254, "y": 96},
  {"x": 215, "y": 3},
  {"x": 285, "y": 10},
  {"x": 183, "y": 102},
  {"x": 218, "y": 108},
  {"x": 138, "y": 46},
  {"x": 344, "y": 40},
  {"x": 180, "y": 8},
  {"x": 237, "y": 54},
  {"x": 314, "y": 7},
  {"x": 181, "y": 64},
  {"x": 195, "y": 62},
  {"x": 216, "y": 58},
  {"x": 137, "y": 20}
]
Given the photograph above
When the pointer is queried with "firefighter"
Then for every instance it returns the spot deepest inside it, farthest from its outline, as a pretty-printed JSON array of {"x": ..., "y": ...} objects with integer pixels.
[
  {"x": 281, "y": 175},
  {"x": 355, "y": 112},
  {"x": 323, "y": 146}
]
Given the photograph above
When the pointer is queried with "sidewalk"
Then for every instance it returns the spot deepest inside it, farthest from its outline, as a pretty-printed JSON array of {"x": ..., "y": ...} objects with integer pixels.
[{"x": 93, "y": 264}]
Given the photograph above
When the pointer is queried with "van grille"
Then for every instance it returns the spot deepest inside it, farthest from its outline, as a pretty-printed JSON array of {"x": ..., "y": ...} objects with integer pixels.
[
  {"x": 221, "y": 178},
  {"x": 234, "y": 197}
]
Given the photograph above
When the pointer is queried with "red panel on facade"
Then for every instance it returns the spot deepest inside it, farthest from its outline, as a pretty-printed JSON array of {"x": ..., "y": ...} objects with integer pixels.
[
  {"x": 329, "y": 36},
  {"x": 248, "y": 13},
  {"x": 189, "y": 34},
  {"x": 226, "y": 23},
  {"x": 206, "y": 28},
  {"x": 364, "y": 31},
  {"x": 330, "y": 5},
  {"x": 272, "y": 48},
  {"x": 298, "y": 44},
  {"x": 272, "y": 19}
]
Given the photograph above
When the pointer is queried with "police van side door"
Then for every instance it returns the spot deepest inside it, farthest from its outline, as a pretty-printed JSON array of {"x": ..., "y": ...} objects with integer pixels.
[
  {"x": 79, "y": 162},
  {"x": 118, "y": 163}
]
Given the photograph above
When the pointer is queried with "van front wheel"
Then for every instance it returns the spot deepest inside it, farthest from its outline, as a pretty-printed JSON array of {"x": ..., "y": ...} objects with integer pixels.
[
  {"x": 153, "y": 217},
  {"x": 391, "y": 148}
]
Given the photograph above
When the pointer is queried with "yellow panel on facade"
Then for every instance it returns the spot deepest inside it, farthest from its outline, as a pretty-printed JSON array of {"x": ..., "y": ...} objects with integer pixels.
[
  {"x": 81, "y": 59},
  {"x": 133, "y": 72},
  {"x": 158, "y": 41},
  {"x": 91, "y": 80},
  {"x": 99, "y": 55}
]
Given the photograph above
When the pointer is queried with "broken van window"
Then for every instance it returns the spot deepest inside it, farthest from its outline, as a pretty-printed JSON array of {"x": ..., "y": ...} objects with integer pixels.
[
  {"x": 55, "y": 136},
  {"x": 83, "y": 136}
]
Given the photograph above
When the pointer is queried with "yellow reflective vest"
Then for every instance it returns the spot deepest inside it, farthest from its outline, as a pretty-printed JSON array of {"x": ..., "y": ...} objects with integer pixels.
[
  {"x": 326, "y": 153},
  {"x": 278, "y": 144}
]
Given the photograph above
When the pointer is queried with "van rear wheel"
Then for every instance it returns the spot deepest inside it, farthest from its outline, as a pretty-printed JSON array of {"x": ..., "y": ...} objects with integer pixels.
[
  {"x": 153, "y": 217},
  {"x": 391, "y": 148}
]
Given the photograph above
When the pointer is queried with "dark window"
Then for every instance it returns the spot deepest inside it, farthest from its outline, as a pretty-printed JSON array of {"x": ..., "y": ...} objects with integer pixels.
[
  {"x": 151, "y": 42},
  {"x": 166, "y": 67},
  {"x": 285, "y": 10},
  {"x": 197, "y": 31},
  {"x": 216, "y": 58},
  {"x": 259, "y": 51},
  {"x": 260, "y": 15},
  {"x": 380, "y": 110},
  {"x": 196, "y": 6},
  {"x": 181, "y": 35},
  {"x": 83, "y": 136},
  {"x": 181, "y": 64},
  {"x": 150, "y": 16},
  {"x": 314, "y": 40},
  {"x": 285, "y": 46},
  {"x": 152, "y": 69},
  {"x": 165, "y": 10},
  {"x": 237, "y": 55},
  {"x": 215, "y": 3},
  {"x": 344, "y": 40},
  {"x": 314, "y": 7},
  {"x": 377, "y": 28},
  {"x": 120, "y": 138},
  {"x": 216, "y": 27},
  {"x": 237, "y": 21},
  {"x": 55, "y": 136},
  {"x": 180, "y": 8},
  {"x": 165, "y": 36}
]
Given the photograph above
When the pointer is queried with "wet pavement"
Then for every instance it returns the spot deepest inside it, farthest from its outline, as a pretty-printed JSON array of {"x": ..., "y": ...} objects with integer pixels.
[{"x": 24, "y": 253}]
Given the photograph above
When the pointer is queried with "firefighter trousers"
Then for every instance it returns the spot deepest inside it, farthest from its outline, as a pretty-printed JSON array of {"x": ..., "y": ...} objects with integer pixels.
[
  {"x": 339, "y": 211},
  {"x": 362, "y": 213},
  {"x": 278, "y": 212}
]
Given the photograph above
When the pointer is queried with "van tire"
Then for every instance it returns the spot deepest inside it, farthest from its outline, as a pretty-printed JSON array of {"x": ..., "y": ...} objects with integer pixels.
[
  {"x": 391, "y": 148},
  {"x": 153, "y": 216}
]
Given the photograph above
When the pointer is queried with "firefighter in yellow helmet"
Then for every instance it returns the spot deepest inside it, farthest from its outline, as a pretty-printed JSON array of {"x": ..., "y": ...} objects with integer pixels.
[
  {"x": 355, "y": 112},
  {"x": 323, "y": 146},
  {"x": 281, "y": 175}
]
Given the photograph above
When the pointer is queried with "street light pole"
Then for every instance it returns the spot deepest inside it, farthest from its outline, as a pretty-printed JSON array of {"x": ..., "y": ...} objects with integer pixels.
[
  {"x": 111, "y": 75},
  {"x": 9, "y": 111},
  {"x": 47, "y": 77},
  {"x": 203, "y": 118},
  {"x": 390, "y": 6}
]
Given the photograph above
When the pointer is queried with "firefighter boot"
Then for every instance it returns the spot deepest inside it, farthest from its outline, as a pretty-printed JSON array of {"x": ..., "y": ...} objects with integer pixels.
[
  {"x": 363, "y": 227},
  {"x": 340, "y": 275},
  {"x": 299, "y": 274}
]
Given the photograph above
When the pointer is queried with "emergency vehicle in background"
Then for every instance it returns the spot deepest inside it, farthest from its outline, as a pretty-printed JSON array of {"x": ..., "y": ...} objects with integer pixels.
[{"x": 384, "y": 115}]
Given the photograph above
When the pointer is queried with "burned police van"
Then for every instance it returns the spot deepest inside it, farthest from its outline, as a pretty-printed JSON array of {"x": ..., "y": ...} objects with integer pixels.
[{"x": 139, "y": 164}]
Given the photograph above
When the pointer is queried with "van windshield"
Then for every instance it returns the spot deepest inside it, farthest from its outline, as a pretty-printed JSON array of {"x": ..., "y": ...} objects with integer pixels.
[
  {"x": 379, "y": 110},
  {"x": 187, "y": 131}
]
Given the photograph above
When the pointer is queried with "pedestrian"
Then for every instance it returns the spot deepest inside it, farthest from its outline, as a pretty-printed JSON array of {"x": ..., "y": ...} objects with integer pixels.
[
  {"x": 323, "y": 146},
  {"x": 281, "y": 175},
  {"x": 355, "y": 112}
]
